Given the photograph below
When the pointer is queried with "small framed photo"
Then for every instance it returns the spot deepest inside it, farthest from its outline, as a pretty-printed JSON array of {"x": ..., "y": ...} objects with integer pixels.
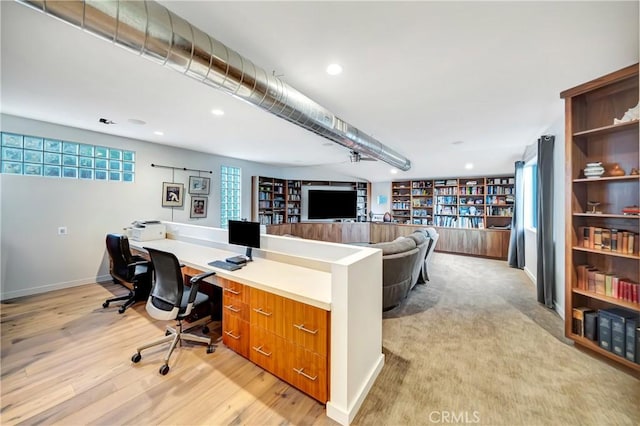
[
  {"x": 172, "y": 194},
  {"x": 199, "y": 185},
  {"x": 198, "y": 207}
]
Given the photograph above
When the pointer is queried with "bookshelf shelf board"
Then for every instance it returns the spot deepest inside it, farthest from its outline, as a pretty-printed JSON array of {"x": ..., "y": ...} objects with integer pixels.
[
  {"x": 596, "y": 348},
  {"x": 608, "y": 253},
  {"x": 497, "y": 215},
  {"x": 608, "y": 215},
  {"x": 608, "y": 178},
  {"x": 499, "y": 204},
  {"x": 613, "y": 128},
  {"x": 619, "y": 302}
]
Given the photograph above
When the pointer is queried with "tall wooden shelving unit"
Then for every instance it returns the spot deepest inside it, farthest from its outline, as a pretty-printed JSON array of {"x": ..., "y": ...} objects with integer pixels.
[{"x": 592, "y": 136}]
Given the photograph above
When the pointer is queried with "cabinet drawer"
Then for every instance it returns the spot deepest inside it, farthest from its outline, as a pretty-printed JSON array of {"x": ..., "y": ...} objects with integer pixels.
[
  {"x": 306, "y": 326},
  {"x": 306, "y": 371},
  {"x": 266, "y": 311},
  {"x": 234, "y": 290},
  {"x": 235, "y": 334},
  {"x": 232, "y": 306},
  {"x": 267, "y": 350}
]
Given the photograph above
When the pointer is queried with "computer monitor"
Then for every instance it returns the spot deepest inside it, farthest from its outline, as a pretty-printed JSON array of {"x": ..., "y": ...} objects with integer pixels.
[{"x": 246, "y": 234}]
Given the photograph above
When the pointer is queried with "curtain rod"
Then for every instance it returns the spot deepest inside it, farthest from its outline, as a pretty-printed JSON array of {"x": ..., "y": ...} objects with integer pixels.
[{"x": 181, "y": 168}]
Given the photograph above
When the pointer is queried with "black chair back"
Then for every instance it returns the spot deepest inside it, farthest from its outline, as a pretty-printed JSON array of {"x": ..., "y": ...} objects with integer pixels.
[
  {"x": 120, "y": 254},
  {"x": 168, "y": 284}
]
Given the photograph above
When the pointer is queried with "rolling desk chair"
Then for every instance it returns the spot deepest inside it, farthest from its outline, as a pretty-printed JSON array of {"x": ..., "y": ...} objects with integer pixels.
[
  {"x": 130, "y": 271},
  {"x": 170, "y": 299}
]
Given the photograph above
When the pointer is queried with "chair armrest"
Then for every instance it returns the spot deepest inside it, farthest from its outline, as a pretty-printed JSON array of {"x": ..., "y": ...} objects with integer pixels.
[
  {"x": 195, "y": 284},
  {"x": 142, "y": 262}
]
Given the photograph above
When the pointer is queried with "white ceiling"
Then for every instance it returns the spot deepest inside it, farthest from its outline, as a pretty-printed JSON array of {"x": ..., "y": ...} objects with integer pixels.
[{"x": 418, "y": 76}]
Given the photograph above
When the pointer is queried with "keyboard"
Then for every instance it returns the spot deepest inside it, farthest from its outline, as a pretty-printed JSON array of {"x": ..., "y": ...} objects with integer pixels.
[{"x": 224, "y": 265}]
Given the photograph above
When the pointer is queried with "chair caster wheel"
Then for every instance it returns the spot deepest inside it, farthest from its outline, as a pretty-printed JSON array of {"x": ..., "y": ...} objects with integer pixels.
[
  {"x": 136, "y": 357},
  {"x": 205, "y": 330},
  {"x": 211, "y": 349},
  {"x": 105, "y": 305},
  {"x": 121, "y": 310},
  {"x": 164, "y": 370}
]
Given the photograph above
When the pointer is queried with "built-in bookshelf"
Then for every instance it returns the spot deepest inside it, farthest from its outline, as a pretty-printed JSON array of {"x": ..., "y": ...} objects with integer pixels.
[
  {"x": 276, "y": 201},
  {"x": 602, "y": 264},
  {"x": 482, "y": 202}
]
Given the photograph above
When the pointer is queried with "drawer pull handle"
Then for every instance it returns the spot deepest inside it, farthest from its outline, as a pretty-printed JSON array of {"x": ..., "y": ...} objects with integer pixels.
[
  {"x": 260, "y": 311},
  {"x": 232, "y": 291},
  {"x": 230, "y": 334},
  {"x": 301, "y": 327},
  {"x": 231, "y": 308},
  {"x": 260, "y": 351},
  {"x": 302, "y": 373}
]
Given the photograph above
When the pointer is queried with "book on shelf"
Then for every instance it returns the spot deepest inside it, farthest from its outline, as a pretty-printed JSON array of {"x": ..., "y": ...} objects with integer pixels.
[
  {"x": 614, "y": 240},
  {"x": 606, "y": 239},
  {"x": 594, "y": 237},
  {"x": 597, "y": 238},
  {"x": 599, "y": 277},
  {"x": 637, "y": 345},
  {"x": 578, "y": 319},
  {"x": 618, "y": 318},
  {"x": 591, "y": 325},
  {"x": 630, "y": 339},
  {"x": 604, "y": 330}
]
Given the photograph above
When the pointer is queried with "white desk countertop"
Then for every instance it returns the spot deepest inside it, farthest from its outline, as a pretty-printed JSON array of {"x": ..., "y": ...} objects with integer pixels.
[{"x": 294, "y": 282}]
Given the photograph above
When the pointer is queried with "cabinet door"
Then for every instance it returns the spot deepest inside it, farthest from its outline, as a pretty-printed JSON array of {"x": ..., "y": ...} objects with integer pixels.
[
  {"x": 267, "y": 350},
  {"x": 306, "y": 371},
  {"x": 266, "y": 311},
  {"x": 235, "y": 333},
  {"x": 306, "y": 326}
]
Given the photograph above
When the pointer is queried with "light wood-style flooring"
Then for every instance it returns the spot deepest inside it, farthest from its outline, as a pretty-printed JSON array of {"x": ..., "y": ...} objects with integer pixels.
[{"x": 66, "y": 360}]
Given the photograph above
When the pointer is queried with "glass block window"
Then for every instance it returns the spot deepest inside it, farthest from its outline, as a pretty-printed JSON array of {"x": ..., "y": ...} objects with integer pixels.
[
  {"x": 35, "y": 156},
  {"x": 230, "y": 194}
]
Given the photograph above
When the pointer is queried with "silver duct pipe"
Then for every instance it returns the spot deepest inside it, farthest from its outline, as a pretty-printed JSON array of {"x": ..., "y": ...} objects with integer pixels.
[{"x": 154, "y": 32}]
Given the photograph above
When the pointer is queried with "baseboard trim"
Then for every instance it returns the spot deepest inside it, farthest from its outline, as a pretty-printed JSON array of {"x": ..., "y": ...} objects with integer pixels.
[
  {"x": 55, "y": 286},
  {"x": 530, "y": 275},
  {"x": 346, "y": 417}
]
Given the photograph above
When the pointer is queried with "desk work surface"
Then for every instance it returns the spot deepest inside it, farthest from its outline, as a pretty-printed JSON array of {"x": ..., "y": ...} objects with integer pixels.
[{"x": 294, "y": 282}]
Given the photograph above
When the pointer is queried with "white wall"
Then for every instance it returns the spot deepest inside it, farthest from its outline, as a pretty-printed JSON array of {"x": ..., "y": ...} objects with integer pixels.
[{"x": 35, "y": 259}]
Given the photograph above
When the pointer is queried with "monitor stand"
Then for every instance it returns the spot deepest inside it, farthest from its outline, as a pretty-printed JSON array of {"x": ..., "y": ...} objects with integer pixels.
[{"x": 241, "y": 260}]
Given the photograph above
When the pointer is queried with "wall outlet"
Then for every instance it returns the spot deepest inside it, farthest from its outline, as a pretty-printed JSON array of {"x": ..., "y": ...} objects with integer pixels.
[{"x": 62, "y": 230}]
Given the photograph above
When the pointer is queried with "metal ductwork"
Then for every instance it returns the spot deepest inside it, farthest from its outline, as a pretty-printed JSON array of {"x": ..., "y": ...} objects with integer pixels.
[{"x": 154, "y": 32}]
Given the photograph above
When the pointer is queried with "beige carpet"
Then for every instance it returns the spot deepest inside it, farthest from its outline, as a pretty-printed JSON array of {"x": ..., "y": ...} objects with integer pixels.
[{"x": 473, "y": 346}]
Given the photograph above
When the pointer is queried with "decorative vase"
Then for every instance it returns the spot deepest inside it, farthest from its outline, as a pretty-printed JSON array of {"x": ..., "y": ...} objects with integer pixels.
[
  {"x": 616, "y": 170},
  {"x": 593, "y": 170}
]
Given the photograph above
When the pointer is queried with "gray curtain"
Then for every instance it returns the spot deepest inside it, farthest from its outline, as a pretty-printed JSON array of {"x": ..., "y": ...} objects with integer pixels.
[
  {"x": 516, "y": 241},
  {"x": 545, "y": 271}
]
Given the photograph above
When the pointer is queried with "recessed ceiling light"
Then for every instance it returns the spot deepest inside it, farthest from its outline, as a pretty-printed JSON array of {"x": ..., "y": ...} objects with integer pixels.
[
  {"x": 136, "y": 121},
  {"x": 457, "y": 142},
  {"x": 217, "y": 112},
  {"x": 394, "y": 171},
  {"x": 327, "y": 144},
  {"x": 468, "y": 166},
  {"x": 334, "y": 69},
  {"x": 158, "y": 132}
]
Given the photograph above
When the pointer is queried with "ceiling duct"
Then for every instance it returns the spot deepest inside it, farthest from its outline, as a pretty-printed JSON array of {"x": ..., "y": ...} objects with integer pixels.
[{"x": 150, "y": 30}]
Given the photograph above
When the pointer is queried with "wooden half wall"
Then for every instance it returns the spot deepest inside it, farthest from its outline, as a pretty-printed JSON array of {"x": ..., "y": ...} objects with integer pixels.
[{"x": 490, "y": 243}]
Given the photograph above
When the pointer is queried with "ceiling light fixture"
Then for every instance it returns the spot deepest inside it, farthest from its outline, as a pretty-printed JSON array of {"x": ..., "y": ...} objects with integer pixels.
[
  {"x": 334, "y": 69},
  {"x": 394, "y": 171},
  {"x": 468, "y": 166},
  {"x": 158, "y": 132},
  {"x": 136, "y": 121},
  {"x": 457, "y": 142},
  {"x": 217, "y": 112}
]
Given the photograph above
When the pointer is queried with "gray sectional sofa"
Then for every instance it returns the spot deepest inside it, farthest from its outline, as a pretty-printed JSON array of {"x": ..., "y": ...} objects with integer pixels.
[{"x": 404, "y": 263}]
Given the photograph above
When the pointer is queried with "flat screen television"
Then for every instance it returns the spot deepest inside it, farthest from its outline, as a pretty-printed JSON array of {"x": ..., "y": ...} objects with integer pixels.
[
  {"x": 245, "y": 234},
  {"x": 327, "y": 204}
]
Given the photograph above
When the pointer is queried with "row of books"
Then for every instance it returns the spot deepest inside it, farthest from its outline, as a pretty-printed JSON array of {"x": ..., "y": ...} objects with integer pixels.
[
  {"x": 616, "y": 330},
  {"x": 607, "y": 284},
  {"x": 616, "y": 240}
]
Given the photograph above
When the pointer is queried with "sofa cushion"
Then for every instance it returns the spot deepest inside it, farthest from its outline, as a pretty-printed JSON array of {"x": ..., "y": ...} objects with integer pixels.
[
  {"x": 419, "y": 237},
  {"x": 399, "y": 245}
]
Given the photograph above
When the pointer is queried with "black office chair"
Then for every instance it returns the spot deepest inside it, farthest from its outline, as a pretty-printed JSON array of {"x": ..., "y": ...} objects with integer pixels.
[
  {"x": 171, "y": 299},
  {"x": 131, "y": 271}
]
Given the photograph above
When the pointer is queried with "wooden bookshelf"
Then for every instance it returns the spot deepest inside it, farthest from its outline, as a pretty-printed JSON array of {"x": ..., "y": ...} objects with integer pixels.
[
  {"x": 468, "y": 203},
  {"x": 592, "y": 136}
]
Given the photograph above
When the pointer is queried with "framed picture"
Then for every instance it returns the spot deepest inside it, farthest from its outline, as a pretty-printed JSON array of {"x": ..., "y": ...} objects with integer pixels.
[
  {"x": 198, "y": 207},
  {"x": 172, "y": 194},
  {"x": 199, "y": 185}
]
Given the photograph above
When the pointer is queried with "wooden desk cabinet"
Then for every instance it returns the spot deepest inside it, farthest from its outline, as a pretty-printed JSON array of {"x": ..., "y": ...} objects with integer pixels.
[{"x": 287, "y": 338}]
